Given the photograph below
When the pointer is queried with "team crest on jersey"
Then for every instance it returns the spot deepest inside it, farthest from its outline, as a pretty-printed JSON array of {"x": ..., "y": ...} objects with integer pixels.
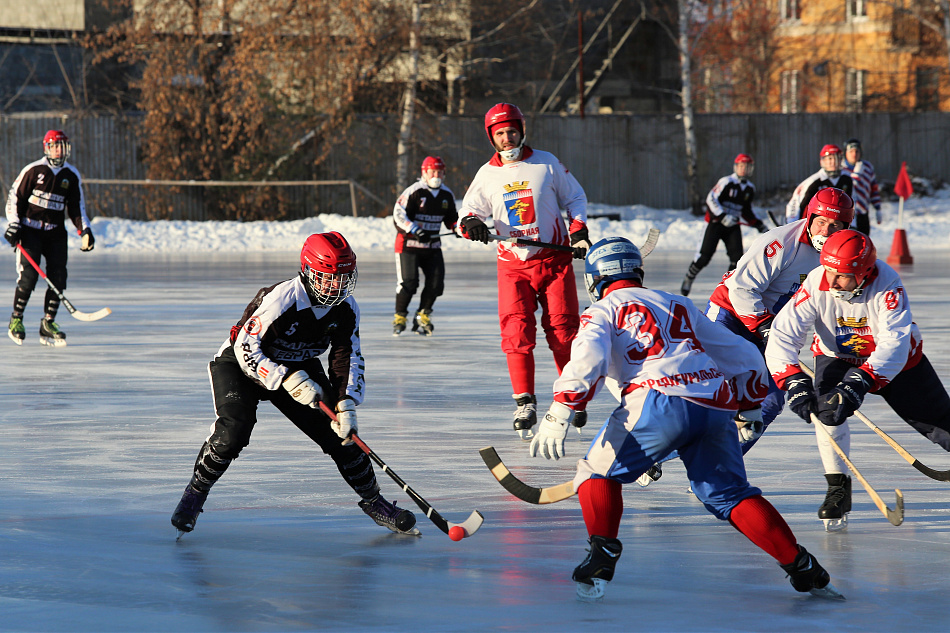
[
  {"x": 852, "y": 322},
  {"x": 64, "y": 183},
  {"x": 855, "y": 344},
  {"x": 253, "y": 326},
  {"x": 520, "y": 206}
]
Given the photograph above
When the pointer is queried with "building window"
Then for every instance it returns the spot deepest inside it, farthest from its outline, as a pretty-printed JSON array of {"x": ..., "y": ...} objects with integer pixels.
[
  {"x": 790, "y": 10},
  {"x": 857, "y": 9},
  {"x": 854, "y": 90},
  {"x": 928, "y": 88},
  {"x": 791, "y": 91}
]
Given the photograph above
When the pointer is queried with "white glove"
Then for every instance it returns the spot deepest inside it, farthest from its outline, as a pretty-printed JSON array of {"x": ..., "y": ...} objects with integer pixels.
[
  {"x": 729, "y": 220},
  {"x": 345, "y": 422},
  {"x": 750, "y": 424},
  {"x": 303, "y": 390},
  {"x": 552, "y": 431}
]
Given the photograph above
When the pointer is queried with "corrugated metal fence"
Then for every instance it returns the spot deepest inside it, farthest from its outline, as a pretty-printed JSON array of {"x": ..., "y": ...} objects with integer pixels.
[{"x": 618, "y": 159}]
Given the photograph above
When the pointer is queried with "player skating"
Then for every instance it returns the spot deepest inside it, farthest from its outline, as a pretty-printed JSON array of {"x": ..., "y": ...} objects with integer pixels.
[
  {"x": 865, "y": 340},
  {"x": 728, "y": 205},
  {"x": 865, "y": 192},
  {"x": 44, "y": 193},
  {"x": 830, "y": 175},
  {"x": 684, "y": 380},
  {"x": 273, "y": 354},
  {"x": 770, "y": 272},
  {"x": 523, "y": 191},
  {"x": 419, "y": 214}
]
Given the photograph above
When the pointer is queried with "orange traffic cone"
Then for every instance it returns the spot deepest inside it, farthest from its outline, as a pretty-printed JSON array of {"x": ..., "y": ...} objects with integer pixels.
[{"x": 900, "y": 251}]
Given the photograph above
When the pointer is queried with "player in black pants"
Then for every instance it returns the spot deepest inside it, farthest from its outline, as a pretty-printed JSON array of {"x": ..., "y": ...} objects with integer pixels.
[
  {"x": 40, "y": 198},
  {"x": 273, "y": 354},
  {"x": 420, "y": 212},
  {"x": 728, "y": 205}
]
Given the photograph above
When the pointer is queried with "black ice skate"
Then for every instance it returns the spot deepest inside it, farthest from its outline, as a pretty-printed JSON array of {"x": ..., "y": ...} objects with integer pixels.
[
  {"x": 399, "y": 324},
  {"x": 187, "y": 511},
  {"x": 17, "y": 332},
  {"x": 50, "y": 334},
  {"x": 422, "y": 323},
  {"x": 389, "y": 516},
  {"x": 597, "y": 570},
  {"x": 526, "y": 415},
  {"x": 834, "y": 511},
  {"x": 652, "y": 474},
  {"x": 806, "y": 574}
]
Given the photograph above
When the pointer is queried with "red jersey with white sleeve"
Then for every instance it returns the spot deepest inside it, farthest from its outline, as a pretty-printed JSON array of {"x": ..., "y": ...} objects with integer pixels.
[
  {"x": 874, "y": 330},
  {"x": 649, "y": 339},
  {"x": 524, "y": 199},
  {"x": 767, "y": 275}
]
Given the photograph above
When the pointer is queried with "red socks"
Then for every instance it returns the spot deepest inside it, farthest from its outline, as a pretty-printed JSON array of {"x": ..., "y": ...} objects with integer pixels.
[
  {"x": 763, "y": 525},
  {"x": 602, "y": 505},
  {"x": 521, "y": 372}
]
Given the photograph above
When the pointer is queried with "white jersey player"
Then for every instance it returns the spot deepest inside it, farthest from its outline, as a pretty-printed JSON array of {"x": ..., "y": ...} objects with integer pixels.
[
  {"x": 865, "y": 340},
  {"x": 683, "y": 379},
  {"x": 770, "y": 272}
]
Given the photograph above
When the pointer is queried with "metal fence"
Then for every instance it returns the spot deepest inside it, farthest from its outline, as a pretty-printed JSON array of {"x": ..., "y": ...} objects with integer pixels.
[{"x": 637, "y": 159}]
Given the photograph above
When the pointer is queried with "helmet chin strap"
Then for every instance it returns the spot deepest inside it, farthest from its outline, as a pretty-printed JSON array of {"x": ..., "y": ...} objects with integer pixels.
[
  {"x": 817, "y": 241},
  {"x": 512, "y": 154},
  {"x": 433, "y": 183},
  {"x": 848, "y": 295}
]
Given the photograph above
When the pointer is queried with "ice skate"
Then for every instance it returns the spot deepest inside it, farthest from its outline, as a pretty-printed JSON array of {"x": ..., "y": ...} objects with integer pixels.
[
  {"x": 834, "y": 511},
  {"x": 806, "y": 574},
  {"x": 597, "y": 570},
  {"x": 687, "y": 286},
  {"x": 399, "y": 324},
  {"x": 526, "y": 415},
  {"x": 17, "y": 332},
  {"x": 422, "y": 324},
  {"x": 652, "y": 474},
  {"x": 187, "y": 511},
  {"x": 389, "y": 516},
  {"x": 50, "y": 334}
]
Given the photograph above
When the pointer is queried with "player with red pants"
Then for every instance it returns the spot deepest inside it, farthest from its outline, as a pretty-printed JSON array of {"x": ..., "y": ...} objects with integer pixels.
[
  {"x": 683, "y": 380},
  {"x": 273, "y": 354},
  {"x": 523, "y": 191},
  {"x": 865, "y": 341}
]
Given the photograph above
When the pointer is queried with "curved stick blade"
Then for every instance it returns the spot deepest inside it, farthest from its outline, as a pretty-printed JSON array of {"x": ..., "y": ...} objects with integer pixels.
[
  {"x": 518, "y": 488},
  {"x": 91, "y": 316},
  {"x": 471, "y": 524}
]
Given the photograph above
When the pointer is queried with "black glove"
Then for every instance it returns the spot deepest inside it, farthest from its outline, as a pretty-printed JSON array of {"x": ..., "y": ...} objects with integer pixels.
[
  {"x": 760, "y": 227},
  {"x": 764, "y": 330},
  {"x": 801, "y": 396},
  {"x": 474, "y": 229},
  {"x": 420, "y": 236},
  {"x": 580, "y": 240},
  {"x": 88, "y": 241},
  {"x": 13, "y": 234},
  {"x": 841, "y": 403}
]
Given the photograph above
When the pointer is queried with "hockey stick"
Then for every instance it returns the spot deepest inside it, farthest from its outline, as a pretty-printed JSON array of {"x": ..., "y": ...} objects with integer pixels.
[
  {"x": 774, "y": 218},
  {"x": 652, "y": 237},
  {"x": 82, "y": 316},
  {"x": 469, "y": 525},
  {"x": 938, "y": 475},
  {"x": 896, "y": 516},
  {"x": 520, "y": 489}
]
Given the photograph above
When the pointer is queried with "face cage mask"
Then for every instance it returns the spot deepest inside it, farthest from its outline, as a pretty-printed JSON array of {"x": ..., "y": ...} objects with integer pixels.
[
  {"x": 57, "y": 162},
  {"x": 329, "y": 289},
  {"x": 433, "y": 183}
]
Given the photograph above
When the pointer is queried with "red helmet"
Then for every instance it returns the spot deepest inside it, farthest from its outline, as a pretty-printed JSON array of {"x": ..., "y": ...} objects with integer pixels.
[
  {"x": 52, "y": 138},
  {"x": 328, "y": 268},
  {"x": 504, "y": 113},
  {"x": 743, "y": 158},
  {"x": 433, "y": 162},
  {"x": 849, "y": 252},
  {"x": 831, "y": 203},
  {"x": 829, "y": 149}
]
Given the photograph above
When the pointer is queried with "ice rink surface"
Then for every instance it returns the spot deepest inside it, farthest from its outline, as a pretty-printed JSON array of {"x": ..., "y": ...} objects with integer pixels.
[{"x": 97, "y": 442}]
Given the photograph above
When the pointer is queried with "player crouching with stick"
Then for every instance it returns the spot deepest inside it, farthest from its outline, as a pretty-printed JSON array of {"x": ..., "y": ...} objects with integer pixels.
[
  {"x": 865, "y": 341},
  {"x": 295, "y": 321},
  {"x": 683, "y": 378}
]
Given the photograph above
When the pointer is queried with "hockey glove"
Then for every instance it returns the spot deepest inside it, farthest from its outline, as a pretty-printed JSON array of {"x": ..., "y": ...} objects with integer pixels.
[
  {"x": 750, "y": 425},
  {"x": 729, "y": 220},
  {"x": 474, "y": 229},
  {"x": 844, "y": 400},
  {"x": 760, "y": 227},
  {"x": 88, "y": 241},
  {"x": 801, "y": 396},
  {"x": 12, "y": 234},
  {"x": 552, "y": 431},
  {"x": 303, "y": 389},
  {"x": 420, "y": 236},
  {"x": 580, "y": 240},
  {"x": 345, "y": 423}
]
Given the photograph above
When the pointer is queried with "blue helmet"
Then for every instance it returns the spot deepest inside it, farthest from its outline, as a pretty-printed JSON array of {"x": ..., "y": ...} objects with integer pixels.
[{"x": 609, "y": 260}]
